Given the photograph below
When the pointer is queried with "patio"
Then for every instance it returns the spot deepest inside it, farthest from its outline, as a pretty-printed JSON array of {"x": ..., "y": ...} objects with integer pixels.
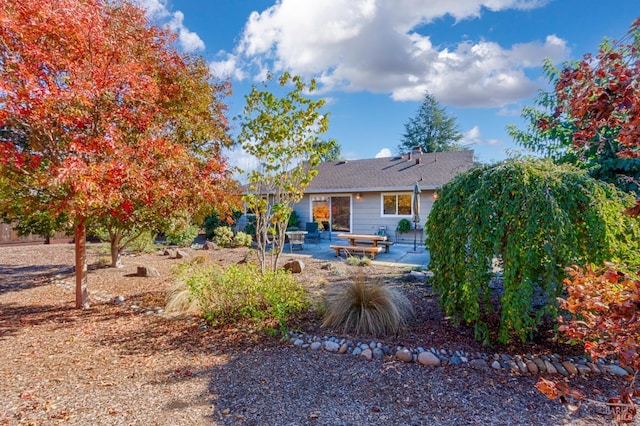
[{"x": 399, "y": 254}]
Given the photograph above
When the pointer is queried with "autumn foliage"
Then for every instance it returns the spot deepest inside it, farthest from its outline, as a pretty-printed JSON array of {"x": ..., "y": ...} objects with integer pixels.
[
  {"x": 103, "y": 120},
  {"x": 602, "y": 93},
  {"x": 604, "y": 306}
]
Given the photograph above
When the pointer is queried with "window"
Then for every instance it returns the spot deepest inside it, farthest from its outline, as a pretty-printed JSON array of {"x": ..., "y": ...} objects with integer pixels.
[{"x": 396, "y": 204}]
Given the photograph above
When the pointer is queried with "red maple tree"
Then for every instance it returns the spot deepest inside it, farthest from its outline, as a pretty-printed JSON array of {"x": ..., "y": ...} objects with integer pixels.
[{"x": 107, "y": 117}]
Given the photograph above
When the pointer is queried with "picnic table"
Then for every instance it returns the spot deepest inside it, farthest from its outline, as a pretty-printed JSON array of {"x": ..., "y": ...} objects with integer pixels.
[{"x": 362, "y": 243}]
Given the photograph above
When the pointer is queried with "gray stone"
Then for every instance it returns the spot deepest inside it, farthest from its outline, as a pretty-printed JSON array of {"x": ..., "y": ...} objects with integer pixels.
[
  {"x": 404, "y": 355},
  {"x": 496, "y": 365},
  {"x": 560, "y": 369},
  {"x": 331, "y": 346},
  {"x": 522, "y": 366},
  {"x": 479, "y": 364},
  {"x": 357, "y": 351},
  {"x": 429, "y": 359},
  {"x": 583, "y": 369},
  {"x": 595, "y": 369},
  {"x": 615, "y": 370},
  {"x": 367, "y": 353},
  {"x": 295, "y": 266},
  {"x": 378, "y": 353},
  {"x": 118, "y": 300},
  {"x": 540, "y": 364},
  {"x": 316, "y": 346},
  {"x": 550, "y": 368},
  {"x": 298, "y": 342}
]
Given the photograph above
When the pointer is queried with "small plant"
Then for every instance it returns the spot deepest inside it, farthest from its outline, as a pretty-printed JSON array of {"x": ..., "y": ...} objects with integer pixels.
[
  {"x": 223, "y": 236},
  {"x": 144, "y": 243},
  {"x": 250, "y": 227},
  {"x": 367, "y": 308},
  {"x": 242, "y": 240},
  {"x": 358, "y": 261},
  {"x": 404, "y": 226},
  {"x": 294, "y": 220}
]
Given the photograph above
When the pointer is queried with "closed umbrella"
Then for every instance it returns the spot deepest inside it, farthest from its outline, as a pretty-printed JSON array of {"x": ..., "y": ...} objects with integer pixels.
[{"x": 416, "y": 213}]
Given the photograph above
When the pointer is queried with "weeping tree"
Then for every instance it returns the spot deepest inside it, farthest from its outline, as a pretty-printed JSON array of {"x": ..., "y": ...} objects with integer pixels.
[{"x": 532, "y": 217}]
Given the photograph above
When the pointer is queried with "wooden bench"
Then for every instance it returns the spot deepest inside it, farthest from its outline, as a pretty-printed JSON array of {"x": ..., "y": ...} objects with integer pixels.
[
  {"x": 357, "y": 249},
  {"x": 385, "y": 244}
]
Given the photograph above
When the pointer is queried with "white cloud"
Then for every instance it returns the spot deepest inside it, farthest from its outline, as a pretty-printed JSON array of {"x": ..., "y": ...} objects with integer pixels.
[
  {"x": 472, "y": 137},
  {"x": 227, "y": 67},
  {"x": 384, "y": 152},
  {"x": 383, "y": 47},
  {"x": 157, "y": 10},
  {"x": 188, "y": 40}
]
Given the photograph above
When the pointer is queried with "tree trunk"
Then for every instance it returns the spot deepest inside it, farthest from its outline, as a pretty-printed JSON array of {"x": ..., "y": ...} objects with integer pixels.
[
  {"x": 115, "y": 249},
  {"x": 80, "y": 237}
]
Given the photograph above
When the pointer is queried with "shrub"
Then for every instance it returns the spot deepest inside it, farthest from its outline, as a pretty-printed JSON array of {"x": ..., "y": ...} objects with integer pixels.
[
  {"x": 603, "y": 306},
  {"x": 214, "y": 221},
  {"x": 223, "y": 236},
  {"x": 182, "y": 237},
  {"x": 243, "y": 292},
  {"x": 367, "y": 308},
  {"x": 404, "y": 226},
  {"x": 250, "y": 227},
  {"x": 294, "y": 220},
  {"x": 535, "y": 218},
  {"x": 144, "y": 243},
  {"x": 242, "y": 240}
]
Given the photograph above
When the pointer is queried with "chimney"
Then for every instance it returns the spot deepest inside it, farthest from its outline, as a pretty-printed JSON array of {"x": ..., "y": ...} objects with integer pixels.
[
  {"x": 417, "y": 160},
  {"x": 409, "y": 156},
  {"x": 417, "y": 150}
]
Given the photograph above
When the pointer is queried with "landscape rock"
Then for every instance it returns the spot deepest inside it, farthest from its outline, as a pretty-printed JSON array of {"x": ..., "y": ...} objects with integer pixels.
[
  {"x": 367, "y": 353},
  {"x": 331, "y": 346},
  {"x": 209, "y": 245},
  {"x": 429, "y": 359},
  {"x": 295, "y": 266},
  {"x": 615, "y": 370},
  {"x": 181, "y": 254},
  {"x": 571, "y": 369},
  {"x": 147, "y": 271},
  {"x": 404, "y": 355}
]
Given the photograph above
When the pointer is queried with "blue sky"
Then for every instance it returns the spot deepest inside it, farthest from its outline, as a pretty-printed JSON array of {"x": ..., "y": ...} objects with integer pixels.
[{"x": 374, "y": 59}]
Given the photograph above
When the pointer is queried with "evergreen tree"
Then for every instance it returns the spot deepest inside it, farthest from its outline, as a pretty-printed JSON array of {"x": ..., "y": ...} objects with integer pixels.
[{"x": 432, "y": 129}]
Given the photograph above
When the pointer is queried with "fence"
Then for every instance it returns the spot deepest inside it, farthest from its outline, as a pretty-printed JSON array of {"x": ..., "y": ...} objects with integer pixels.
[{"x": 9, "y": 236}]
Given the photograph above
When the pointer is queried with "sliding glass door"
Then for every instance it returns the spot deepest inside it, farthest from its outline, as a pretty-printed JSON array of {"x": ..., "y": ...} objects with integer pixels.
[{"x": 332, "y": 213}]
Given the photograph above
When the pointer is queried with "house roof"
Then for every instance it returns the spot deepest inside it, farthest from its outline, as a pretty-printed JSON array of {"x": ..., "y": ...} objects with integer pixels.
[{"x": 430, "y": 170}]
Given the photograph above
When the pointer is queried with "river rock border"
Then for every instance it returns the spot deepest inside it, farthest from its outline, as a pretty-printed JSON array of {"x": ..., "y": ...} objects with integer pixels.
[{"x": 518, "y": 364}]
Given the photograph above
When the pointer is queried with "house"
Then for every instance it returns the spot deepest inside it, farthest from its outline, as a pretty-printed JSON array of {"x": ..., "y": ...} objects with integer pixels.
[{"x": 360, "y": 196}]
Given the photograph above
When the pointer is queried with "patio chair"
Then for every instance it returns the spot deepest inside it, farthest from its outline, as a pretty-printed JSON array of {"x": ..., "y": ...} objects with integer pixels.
[
  {"x": 295, "y": 238},
  {"x": 312, "y": 231}
]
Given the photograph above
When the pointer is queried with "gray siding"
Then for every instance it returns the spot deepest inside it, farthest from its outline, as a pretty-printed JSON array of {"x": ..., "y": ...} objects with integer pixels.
[{"x": 366, "y": 214}]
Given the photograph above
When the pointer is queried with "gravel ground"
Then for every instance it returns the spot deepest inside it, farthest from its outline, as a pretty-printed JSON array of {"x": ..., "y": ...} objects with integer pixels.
[{"x": 127, "y": 364}]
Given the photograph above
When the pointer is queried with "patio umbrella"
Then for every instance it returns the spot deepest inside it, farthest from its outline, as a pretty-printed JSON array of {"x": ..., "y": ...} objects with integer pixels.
[{"x": 416, "y": 213}]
